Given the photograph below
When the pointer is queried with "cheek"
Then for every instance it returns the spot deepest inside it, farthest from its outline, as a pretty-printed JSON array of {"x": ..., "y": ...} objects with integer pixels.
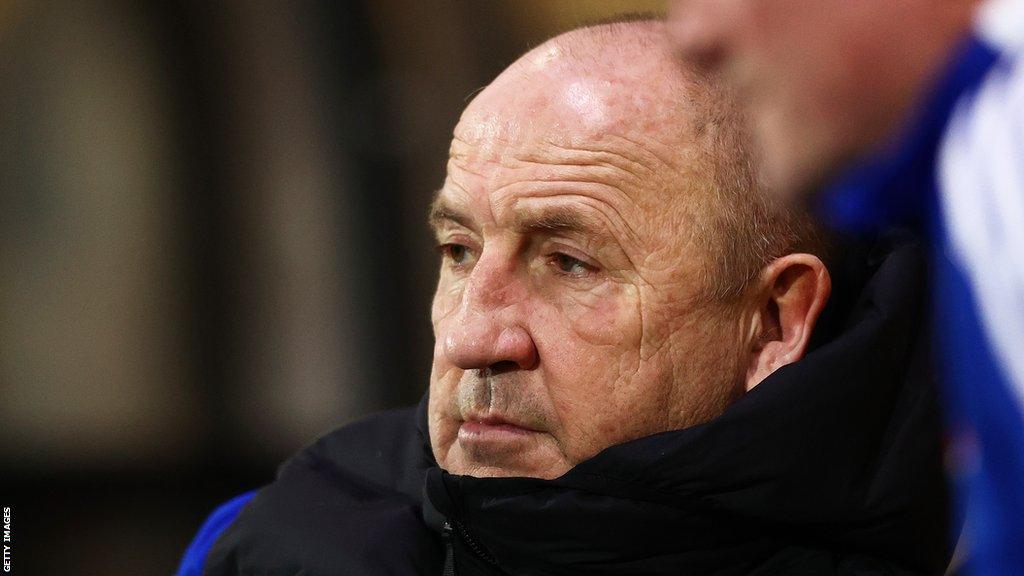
[
  {"x": 441, "y": 422},
  {"x": 590, "y": 347},
  {"x": 604, "y": 318},
  {"x": 444, "y": 376},
  {"x": 446, "y": 297}
]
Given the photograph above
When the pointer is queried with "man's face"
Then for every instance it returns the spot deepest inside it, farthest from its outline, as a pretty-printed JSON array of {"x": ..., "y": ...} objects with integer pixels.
[
  {"x": 816, "y": 76},
  {"x": 569, "y": 315}
]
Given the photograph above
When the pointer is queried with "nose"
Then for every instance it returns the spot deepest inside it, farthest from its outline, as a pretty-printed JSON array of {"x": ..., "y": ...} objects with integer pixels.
[
  {"x": 486, "y": 330},
  {"x": 697, "y": 28}
]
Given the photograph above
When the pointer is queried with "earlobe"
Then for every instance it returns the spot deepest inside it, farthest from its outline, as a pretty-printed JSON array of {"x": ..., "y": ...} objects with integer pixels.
[{"x": 791, "y": 294}]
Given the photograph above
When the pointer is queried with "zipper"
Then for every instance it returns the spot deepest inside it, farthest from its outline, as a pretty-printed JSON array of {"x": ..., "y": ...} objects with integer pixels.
[
  {"x": 473, "y": 545},
  {"x": 468, "y": 540},
  {"x": 449, "y": 554}
]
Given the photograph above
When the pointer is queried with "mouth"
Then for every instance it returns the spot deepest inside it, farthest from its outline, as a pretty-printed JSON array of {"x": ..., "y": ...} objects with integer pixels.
[
  {"x": 492, "y": 431},
  {"x": 496, "y": 423}
]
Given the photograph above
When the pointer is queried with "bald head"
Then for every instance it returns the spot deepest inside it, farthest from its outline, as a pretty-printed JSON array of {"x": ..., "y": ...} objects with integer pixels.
[
  {"x": 607, "y": 79},
  {"x": 622, "y": 80}
]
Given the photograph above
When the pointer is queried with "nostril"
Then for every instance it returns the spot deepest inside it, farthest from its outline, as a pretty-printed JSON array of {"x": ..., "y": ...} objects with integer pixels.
[{"x": 503, "y": 366}]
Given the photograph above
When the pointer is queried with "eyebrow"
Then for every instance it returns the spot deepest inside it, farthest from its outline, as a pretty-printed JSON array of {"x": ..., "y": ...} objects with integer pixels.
[
  {"x": 556, "y": 219},
  {"x": 441, "y": 211},
  {"x": 543, "y": 219}
]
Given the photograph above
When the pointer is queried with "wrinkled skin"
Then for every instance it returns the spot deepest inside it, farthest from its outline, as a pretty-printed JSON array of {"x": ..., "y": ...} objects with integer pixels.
[
  {"x": 569, "y": 314},
  {"x": 823, "y": 81}
]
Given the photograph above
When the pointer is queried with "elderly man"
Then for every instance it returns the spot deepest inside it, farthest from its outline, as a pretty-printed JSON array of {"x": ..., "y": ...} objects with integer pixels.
[
  {"x": 913, "y": 113},
  {"x": 622, "y": 381}
]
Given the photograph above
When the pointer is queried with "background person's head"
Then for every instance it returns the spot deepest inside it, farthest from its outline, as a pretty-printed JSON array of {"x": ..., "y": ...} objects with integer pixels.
[
  {"x": 609, "y": 269},
  {"x": 823, "y": 80}
]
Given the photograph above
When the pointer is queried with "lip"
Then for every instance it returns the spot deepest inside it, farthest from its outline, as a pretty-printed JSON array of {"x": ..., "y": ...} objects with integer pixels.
[{"x": 492, "y": 430}]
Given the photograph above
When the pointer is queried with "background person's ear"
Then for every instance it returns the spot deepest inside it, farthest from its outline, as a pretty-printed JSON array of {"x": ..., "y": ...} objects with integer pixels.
[{"x": 791, "y": 292}]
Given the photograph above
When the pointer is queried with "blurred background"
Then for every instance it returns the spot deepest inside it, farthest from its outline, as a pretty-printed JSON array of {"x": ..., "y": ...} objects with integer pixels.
[{"x": 213, "y": 245}]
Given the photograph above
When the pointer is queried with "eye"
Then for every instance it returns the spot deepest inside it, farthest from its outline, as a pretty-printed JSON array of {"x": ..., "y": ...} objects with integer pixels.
[
  {"x": 570, "y": 266},
  {"x": 458, "y": 253}
]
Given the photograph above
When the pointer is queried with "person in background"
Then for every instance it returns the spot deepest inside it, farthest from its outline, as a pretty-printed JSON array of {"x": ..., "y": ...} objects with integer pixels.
[
  {"x": 641, "y": 364},
  {"x": 912, "y": 113}
]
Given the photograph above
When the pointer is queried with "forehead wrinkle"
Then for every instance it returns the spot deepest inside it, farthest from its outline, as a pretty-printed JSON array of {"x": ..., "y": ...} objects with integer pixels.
[
  {"x": 597, "y": 164},
  {"x": 453, "y": 185},
  {"x": 452, "y": 182},
  {"x": 649, "y": 151},
  {"x": 569, "y": 171},
  {"x": 462, "y": 163},
  {"x": 587, "y": 155},
  {"x": 485, "y": 130},
  {"x": 589, "y": 163},
  {"x": 647, "y": 173}
]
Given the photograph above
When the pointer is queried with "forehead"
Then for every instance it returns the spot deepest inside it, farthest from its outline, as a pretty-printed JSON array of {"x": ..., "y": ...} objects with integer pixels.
[
  {"x": 614, "y": 151},
  {"x": 540, "y": 121}
]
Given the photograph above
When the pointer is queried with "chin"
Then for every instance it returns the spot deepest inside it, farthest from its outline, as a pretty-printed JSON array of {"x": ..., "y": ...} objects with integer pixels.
[
  {"x": 528, "y": 464},
  {"x": 484, "y": 471}
]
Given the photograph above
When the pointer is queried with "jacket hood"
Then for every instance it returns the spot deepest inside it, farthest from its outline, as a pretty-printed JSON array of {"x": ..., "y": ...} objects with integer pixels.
[{"x": 834, "y": 458}]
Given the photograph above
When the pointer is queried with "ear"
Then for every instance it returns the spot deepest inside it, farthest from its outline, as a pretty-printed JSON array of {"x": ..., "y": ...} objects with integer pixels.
[{"x": 790, "y": 294}]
